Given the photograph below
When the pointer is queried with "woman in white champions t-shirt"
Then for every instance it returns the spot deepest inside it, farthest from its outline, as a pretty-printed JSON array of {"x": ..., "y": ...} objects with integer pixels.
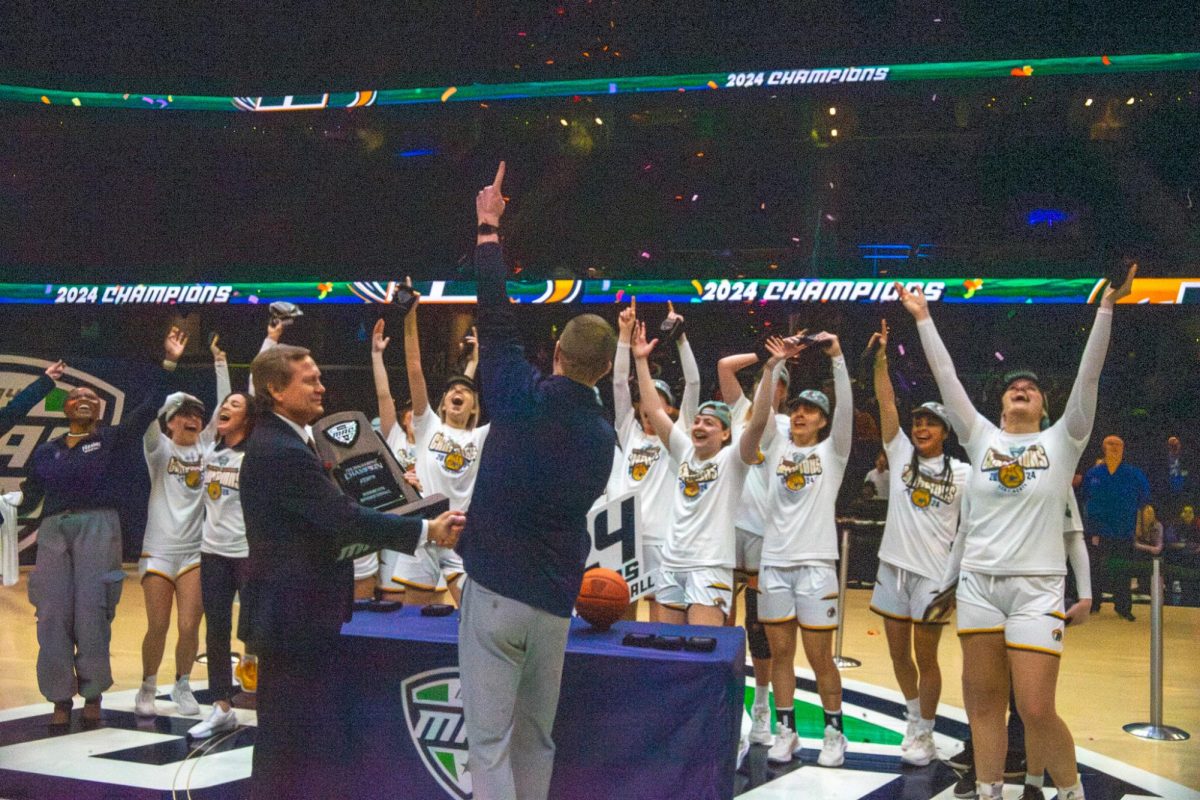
[
  {"x": 924, "y": 494},
  {"x": 697, "y": 562},
  {"x": 448, "y": 444},
  {"x": 799, "y": 582},
  {"x": 1013, "y": 564},
  {"x": 174, "y": 446},
  {"x": 645, "y": 465}
]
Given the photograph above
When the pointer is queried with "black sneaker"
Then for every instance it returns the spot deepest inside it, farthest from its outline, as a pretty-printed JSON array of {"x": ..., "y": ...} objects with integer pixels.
[
  {"x": 1031, "y": 793},
  {"x": 964, "y": 759},
  {"x": 966, "y": 785}
]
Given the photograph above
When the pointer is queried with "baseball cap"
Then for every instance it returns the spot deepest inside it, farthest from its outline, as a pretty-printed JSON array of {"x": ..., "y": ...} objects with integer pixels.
[
  {"x": 665, "y": 389},
  {"x": 934, "y": 410},
  {"x": 177, "y": 402},
  {"x": 463, "y": 380},
  {"x": 715, "y": 408},
  {"x": 813, "y": 397},
  {"x": 1019, "y": 374}
]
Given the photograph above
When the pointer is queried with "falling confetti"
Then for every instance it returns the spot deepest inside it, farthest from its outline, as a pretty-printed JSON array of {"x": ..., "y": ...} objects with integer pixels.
[
  {"x": 620, "y": 294},
  {"x": 324, "y": 289},
  {"x": 446, "y": 95},
  {"x": 1021, "y": 72},
  {"x": 712, "y": 84},
  {"x": 1106, "y": 61},
  {"x": 972, "y": 286},
  {"x": 75, "y": 101},
  {"x": 699, "y": 288},
  {"x": 45, "y": 100}
]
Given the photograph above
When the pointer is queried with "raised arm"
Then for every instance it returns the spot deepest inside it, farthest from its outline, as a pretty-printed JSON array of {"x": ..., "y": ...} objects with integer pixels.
[
  {"x": 651, "y": 403},
  {"x": 412, "y": 363},
  {"x": 963, "y": 415},
  {"x": 472, "y": 341},
  {"x": 30, "y": 396},
  {"x": 841, "y": 427},
  {"x": 1080, "y": 411},
  {"x": 509, "y": 382},
  {"x": 622, "y": 401},
  {"x": 691, "y": 372},
  {"x": 137, "y": 422},
  {"x": 885, "y": 393},
  {"x": 727, "y": 370},
  {"x": 224, "y": 387},
  {"x": 383, "y": 387},
  {"x": 761, "y": 410}
]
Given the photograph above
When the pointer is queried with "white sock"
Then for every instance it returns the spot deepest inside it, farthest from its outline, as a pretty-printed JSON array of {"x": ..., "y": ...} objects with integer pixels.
[
  {"x": 914, "y": 708},
  {"x": 925, "y": 725},
  {"x": 1072, "y": 792},
  {"x": 150, "y": 682},
  {"x": 1035, "y": 780},
  {"x": 760, "y": 696},
  {"x": 989, "y": 791}
]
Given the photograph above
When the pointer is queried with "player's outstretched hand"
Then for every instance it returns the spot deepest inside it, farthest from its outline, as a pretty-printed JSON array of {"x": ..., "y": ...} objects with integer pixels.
[
  {"x": 626, "y": 320},
  {"x": 914, "y": 301},
  {"x": 880, "y": 337},
  {"x": 1112, "y": 295},
  {"x": 174, "y": 344},
  {"x": 444, "y": 530},
  {"x": 489, "y": 203},
  {"x": 56, "y": 370},
  {"x": 640, "y": 348},
  {"x": 941, "y": 605},
  {"x": 379, "y": 342}
]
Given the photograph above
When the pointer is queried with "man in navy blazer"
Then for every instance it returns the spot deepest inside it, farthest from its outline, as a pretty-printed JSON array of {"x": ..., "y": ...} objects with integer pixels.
[{"x": 303, "y": 534}]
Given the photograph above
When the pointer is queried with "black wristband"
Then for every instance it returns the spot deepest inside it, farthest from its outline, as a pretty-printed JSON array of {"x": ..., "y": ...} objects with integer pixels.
[{"x": 486, "y": 229}]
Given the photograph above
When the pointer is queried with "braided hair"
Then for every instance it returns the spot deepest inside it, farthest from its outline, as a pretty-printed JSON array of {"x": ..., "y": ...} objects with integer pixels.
[{"x": 914, "y": 467}]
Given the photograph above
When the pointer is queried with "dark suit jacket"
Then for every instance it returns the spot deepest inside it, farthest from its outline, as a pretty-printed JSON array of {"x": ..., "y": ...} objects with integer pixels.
[{"x": 302, "y": 531}]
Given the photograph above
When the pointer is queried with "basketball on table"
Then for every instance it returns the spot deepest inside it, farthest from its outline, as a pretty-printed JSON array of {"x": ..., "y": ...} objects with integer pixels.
[{"x": 603, "y": 597}]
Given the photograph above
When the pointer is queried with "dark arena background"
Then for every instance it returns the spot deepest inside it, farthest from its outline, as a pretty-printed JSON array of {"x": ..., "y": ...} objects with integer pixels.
[{"x": 765, "y": 167}]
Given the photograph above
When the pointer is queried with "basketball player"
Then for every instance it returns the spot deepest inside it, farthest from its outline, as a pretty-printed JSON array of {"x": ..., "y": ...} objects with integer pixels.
[
  {"x": 174, "y": 447},
  {"x": 924, "y": 494},
  {"x": 1010, "y": 591},
  {"x": 646, "y": 466},
  {"x": 748, "y": 529},
  {"x": 447, "y": 446},
  {"x": 799, "y": 582},
  {"x": 224, "y": 551},
  {"x": 697, "y": 563}
]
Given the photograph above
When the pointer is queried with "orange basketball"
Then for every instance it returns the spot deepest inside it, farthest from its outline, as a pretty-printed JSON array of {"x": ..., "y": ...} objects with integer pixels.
[{"x": 603, "y": 597}]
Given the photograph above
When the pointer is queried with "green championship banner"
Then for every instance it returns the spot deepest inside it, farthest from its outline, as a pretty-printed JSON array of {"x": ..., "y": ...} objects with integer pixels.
[
  {"x": 714, "y": 291},
  {"x": 737, "y": 80}
]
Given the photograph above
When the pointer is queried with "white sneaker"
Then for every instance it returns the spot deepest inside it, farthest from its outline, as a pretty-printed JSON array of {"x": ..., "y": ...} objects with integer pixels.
[
  {"x": 185, "y": 701},
  {"x": 922, "y": 750},
  {"x": 833, "y": 749},
  {"x": 743, "y": 749},
  {"x": 143, "y": 704},
  {"x": 218, "y": 722},
  {"x": 785, "y": 746},
  {"x": 910, "y": 732},
  {"x": 760, "y": 731}
]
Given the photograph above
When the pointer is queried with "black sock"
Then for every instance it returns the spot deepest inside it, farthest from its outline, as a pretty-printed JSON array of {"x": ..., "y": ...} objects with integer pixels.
[
  {"x": 786, "y": 717},
  {"x": 833, "y": 719}
]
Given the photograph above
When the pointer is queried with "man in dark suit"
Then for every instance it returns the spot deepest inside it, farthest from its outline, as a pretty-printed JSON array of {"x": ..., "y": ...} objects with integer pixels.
[
  {"x": 546, "y": 460},
  {"x": 303, "y": 535}
]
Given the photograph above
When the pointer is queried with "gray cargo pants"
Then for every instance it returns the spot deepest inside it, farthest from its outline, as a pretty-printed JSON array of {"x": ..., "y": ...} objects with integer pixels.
[
  {"x": 510, "y": 660},
  {"x": 74, "y": 587}
]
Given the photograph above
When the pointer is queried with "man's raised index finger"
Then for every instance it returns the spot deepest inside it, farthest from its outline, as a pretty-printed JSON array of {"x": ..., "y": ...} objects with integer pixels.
[{"x": 499, "y": 176}]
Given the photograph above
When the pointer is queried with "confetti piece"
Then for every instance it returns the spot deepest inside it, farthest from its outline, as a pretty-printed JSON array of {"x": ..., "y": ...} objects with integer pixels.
[
  {"x": 125, "y": 96},
  {"x": 75, "y": 101},
  {"x": 1021, "y": 72},
  {"x": 699, "y": 288},
  {"x": 620, "y": 294},
  {"x": 712, "y": 84},
  {"x": 170, "y": 99},
  {"x": 324, "y": 289},
  {"x": 1106, "y": 61},
  {"x": 252, "y": 299},
  {"x": 972, "y": 286},
  {"x": 446, "y": 95},
  {"x": 45, "y": 100}
]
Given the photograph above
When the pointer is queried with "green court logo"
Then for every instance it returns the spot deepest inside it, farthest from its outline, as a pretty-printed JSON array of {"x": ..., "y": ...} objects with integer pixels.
[{"x": 433, "y": 710}]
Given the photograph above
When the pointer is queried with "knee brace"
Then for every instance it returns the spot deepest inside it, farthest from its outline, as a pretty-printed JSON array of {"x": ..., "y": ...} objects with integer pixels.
[{"x": 755, "y": 635}]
